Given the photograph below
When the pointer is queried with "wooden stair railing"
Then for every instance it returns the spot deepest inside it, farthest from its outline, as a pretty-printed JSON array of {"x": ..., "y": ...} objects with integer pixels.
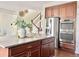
[{"x": 38, "y": 27}]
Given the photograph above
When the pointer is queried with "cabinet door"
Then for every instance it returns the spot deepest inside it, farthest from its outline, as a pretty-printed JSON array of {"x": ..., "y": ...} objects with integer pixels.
[
  {"x": 48, "y": 12},
  {"x": 51, "y": 48},
  {"x": 71, "y": 11},
  {"x": 55, "y": 11},
  {"x": 63, "y": 12},
  {"x": 45, "y": 50},
  {"x": 17, "y": 50}
]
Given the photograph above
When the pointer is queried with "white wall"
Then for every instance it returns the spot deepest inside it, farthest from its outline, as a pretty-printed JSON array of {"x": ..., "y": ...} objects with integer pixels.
[{"x": 77, "y": 30}]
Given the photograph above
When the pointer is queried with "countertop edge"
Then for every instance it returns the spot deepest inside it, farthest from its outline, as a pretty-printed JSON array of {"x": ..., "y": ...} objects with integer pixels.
[{"x": 1, "y": 46}]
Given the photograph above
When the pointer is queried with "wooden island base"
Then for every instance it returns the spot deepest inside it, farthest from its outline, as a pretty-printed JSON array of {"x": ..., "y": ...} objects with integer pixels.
[{"x": 38, "y": 48}]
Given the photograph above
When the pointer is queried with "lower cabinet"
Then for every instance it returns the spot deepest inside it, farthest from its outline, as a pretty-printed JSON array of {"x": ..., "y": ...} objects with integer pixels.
[
  {"x": 45, "y": 50},
  {"x": 26, "y": 50},
  {"x": 39, "y": 48},
  {"x": 23, "y": 54},
  {"x": 29, "y": 53},
  {"x": 51, "y": 49},
  {"x": 35, "y": 52}
]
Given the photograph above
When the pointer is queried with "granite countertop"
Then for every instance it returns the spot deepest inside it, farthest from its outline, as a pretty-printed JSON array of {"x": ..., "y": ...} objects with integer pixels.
[{"x": 9, "y": 41}]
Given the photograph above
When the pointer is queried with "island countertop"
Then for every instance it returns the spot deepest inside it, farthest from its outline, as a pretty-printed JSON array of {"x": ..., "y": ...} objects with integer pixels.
[{"x": 9, "y": 41}]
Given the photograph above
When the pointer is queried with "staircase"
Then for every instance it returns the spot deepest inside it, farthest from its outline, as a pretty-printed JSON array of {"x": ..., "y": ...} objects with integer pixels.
[{"x": 36, "y": 21}]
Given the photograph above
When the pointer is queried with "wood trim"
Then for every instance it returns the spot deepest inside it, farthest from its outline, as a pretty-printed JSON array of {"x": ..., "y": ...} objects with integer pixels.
[
  {"x": 4, "y": 52},
  {"x": 75, "y": 25}
]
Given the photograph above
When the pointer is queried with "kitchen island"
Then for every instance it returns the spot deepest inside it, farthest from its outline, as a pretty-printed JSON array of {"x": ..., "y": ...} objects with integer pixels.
[{"x": 42, "y": 46}]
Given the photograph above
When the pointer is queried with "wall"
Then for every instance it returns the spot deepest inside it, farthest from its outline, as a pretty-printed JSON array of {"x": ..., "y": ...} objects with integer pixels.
[{"x": 77, "y": 30}]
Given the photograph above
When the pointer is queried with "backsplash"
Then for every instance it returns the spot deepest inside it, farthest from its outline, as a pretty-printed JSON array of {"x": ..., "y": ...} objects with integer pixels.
[
  {"x": 5, "y": 23},
  {"x": 2, "y": 32}
]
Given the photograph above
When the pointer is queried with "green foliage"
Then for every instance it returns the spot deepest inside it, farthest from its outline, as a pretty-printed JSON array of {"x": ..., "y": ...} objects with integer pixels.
[
  {"x": 21, "y": 24},
  {"x": 29, "y": 25}
]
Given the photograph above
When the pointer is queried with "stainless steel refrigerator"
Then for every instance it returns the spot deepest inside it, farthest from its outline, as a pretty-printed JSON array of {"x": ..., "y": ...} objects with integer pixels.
[{"x": 53, "y": 29}]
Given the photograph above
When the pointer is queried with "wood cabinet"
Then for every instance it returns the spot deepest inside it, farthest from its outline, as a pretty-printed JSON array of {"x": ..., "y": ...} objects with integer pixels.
[
  {"x": 43, "y": 47},
  {"x": 71, "y": 10},
  {"x": 23, "y": 54},
  {"x": 30, "y": 49},
  {"x": 17, "y": 50},
  {"x": 47, "y": 48},
  {"x": 35, "y": 52},
  {"x": 64, "y": 11},
  {"x": 68, "y": 11},
  {"x": 69, "y": 46},
  {"x": 56, "y": 11},
  {"x": 51, "y": 49},
  {"x": 48, "y": 12}
]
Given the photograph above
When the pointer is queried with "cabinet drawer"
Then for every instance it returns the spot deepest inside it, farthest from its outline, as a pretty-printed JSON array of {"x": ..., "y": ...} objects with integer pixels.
[
  {"x": 33, "y": 44},
  {"x": 21, "y": 48},
  {"x": 48, "y": 40},
  {"x": 52, "y": 39},
  {"x": 69, "y": 46},
  {"x": 20, "y": 55},
  {"x": 17, "y": 49}
]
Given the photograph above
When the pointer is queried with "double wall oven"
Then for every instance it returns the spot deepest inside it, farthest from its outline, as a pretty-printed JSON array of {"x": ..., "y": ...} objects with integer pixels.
[{"x": 66, "y": 31}]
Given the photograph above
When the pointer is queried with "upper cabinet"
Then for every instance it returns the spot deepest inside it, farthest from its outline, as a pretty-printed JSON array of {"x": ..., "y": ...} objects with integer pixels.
[
  {"x": 48, "y": 12},
  {"x": 62, "y": 12},
  {"x": 65, "y": 11},
  {"x": 71, "y": 10},
  {"x": 55, "y": 11}
]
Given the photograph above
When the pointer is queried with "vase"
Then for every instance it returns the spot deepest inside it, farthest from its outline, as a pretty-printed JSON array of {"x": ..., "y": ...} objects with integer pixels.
[{"x": 21, "y": 33}]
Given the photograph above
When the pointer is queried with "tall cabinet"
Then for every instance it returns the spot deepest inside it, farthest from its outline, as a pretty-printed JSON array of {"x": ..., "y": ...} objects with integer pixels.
[
  {"x": 71, "y": 10},
  {"x": 48, "y": 12}
]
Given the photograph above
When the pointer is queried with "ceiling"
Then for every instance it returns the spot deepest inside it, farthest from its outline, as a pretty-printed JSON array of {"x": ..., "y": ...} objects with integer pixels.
[{"x": 20, "y": 5}]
